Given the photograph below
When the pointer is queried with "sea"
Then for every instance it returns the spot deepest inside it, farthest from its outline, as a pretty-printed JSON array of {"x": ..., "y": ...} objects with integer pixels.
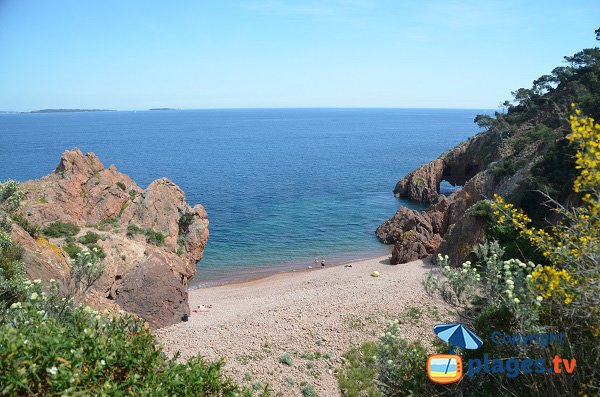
[{"x": 282, "y": 187}]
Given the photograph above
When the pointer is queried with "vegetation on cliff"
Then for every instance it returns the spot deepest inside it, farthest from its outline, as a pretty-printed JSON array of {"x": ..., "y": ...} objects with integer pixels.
[
  {"x": 537, "y": 269},
  {"x": 52, "y": 344}
]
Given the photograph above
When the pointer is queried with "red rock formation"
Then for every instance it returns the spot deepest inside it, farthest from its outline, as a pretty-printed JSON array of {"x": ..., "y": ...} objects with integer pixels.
[
  {"x": 445, "y": 226},
  {"x": 143, "y": 278}
]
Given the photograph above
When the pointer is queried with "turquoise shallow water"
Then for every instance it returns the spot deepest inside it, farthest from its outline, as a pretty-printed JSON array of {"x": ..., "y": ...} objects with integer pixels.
[{"x": 281, "y": 186}]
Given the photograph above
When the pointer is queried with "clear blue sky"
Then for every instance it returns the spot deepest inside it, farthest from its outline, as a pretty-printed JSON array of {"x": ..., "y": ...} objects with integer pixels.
[{"x": 134, "y": 54}]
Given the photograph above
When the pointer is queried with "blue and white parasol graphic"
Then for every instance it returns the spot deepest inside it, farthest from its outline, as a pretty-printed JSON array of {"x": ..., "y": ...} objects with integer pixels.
[{"x": 458, "y": 335}]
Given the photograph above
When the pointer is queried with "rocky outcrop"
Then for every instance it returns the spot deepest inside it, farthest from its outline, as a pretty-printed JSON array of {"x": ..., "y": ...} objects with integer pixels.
[
  {"x": 151, "y": 237},
  {"x": 445, "y": 227},
  {"x": 456, "y": 166}
]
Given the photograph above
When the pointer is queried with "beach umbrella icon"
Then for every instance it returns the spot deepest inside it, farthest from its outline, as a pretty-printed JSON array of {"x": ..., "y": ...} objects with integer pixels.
[{"x": 458, "y": 335}]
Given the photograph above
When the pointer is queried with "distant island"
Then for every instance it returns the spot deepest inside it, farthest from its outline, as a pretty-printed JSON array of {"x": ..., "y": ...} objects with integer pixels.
[
  {"x": 69, "y": 110},
  {"x": 162, "y": 109}
]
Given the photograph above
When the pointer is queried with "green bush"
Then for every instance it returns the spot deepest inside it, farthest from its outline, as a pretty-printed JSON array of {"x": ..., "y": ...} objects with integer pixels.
[
  {"x": 154, "y": 237},
  {"x": 357, "y": 377},
  {"x": 72, "y": 249},
  {"x": 286, "y": 359},
  {"x": 121, "y": 186},
  {"x": 89, "y": 238},
  {"x": 108, "y": 222},
  {"x": 390, "y": 367},
  {"x": 31, "y": 229},
  {"x": 10, "y": 196},
  {"x": 61, "y": 229},
  {"x": 82, "y": 352}
]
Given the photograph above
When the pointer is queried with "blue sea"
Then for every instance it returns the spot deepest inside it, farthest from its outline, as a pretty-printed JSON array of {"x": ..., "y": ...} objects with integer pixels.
[{"x": 282, "y": 187}]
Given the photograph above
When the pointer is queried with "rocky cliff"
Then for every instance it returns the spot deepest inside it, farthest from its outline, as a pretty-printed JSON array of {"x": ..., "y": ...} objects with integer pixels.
[
  {"x": 151, "y": 239},
  {"x": 520, "y": 153},
  {"x": 444, "y": 226}
]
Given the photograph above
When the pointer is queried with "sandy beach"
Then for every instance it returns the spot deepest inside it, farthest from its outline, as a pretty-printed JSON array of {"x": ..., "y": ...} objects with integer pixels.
[{"x": 313, "y": 316}]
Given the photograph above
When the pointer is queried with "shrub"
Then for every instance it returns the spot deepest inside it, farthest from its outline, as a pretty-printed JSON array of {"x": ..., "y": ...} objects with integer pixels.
[
  {"x": 108, "y": 222},
  {"x": 72, "y": 249},
  {"x": 89, "y": 238},
  {"x": 308, "y": 390},
  {"x": 61, "y": 229},
  {"x": 84, "y": 352},
  {"x": 10, "y": 196},
  {"x": 154, "y": 237},
  {"x": 31, "y": 229},
  {"x": 401, "y": 365},
  {"x": 286, "y": 359},
  {"x": 121, "y": 186},
  {"x": 357, "y": 377},
  {"x": 390, "y": 367}
]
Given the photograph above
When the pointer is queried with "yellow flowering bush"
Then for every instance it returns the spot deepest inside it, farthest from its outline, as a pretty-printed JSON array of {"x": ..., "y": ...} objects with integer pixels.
[
  {"x": 576, "y": 240},
  {"x": 549, "y": 283}
]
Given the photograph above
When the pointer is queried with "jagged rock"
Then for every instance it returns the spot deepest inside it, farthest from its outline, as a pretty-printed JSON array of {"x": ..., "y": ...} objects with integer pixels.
[
  {"x": 443, "y": 227},
  {"x": 143, "y": 278},
  {"x": 456, "y": 166}
]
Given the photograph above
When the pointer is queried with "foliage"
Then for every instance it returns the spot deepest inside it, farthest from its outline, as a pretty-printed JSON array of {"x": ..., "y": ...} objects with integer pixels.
[
  {"x": 31, "y": 229},
  {"x": 72, "y": 249},
  {"x": 286, "y": 359},
  {"x": 108, "y": 222},
  {"x": 89, "y": 238},
  {"x": 390, "y": 367},
  {"x": 121, "y": 186},
  {"x": 10, "y": 196},
  {"x": 79, "y": 351},
  {"x": 357, "y": 377},
  {"x": 152, "y": 237},
  {"x": 60, "y": 229},
  {"x": 401, "y": 365}
]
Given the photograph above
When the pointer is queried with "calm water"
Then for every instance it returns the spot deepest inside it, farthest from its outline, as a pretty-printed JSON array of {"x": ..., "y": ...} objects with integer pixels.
[{"x": 281, "y": 186}]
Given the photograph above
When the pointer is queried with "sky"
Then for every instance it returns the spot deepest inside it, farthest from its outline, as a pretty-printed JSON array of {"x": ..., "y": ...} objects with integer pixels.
[{"x": 139, "y": 54}]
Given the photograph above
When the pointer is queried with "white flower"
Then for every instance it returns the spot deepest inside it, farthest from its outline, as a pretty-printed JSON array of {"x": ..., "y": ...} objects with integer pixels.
[
  {"x": 37, "y": 281},
  {"x": 15, "y": 305},
  {"x": 539, "y": 298},
  {"x": 390, "y": 362},
  {"x": 26, "y": 341},
  {"x": 528, "y": 277},
  {"x": 516, "y": 300},
  {"x": 102, "y": 363},
  {"x": 52, "y": 280},
  {"x": 34, "y": 296},
  {"x": 53, "y": 371},
  {"x": 41, "y": 312}
]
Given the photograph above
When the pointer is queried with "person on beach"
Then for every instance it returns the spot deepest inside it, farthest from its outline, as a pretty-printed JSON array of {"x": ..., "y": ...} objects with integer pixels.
[{"x": 322, "y": 262}]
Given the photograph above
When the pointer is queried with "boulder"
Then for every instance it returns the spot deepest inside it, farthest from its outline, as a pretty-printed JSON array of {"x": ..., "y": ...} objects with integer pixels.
[{"x": 152, "y": 237}]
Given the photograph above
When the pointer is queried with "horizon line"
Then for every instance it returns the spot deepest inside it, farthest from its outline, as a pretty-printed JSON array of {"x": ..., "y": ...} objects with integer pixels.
[{"x": 166, "y": 108}]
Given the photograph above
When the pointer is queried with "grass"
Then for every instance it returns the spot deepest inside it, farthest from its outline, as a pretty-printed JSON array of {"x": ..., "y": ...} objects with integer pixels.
[
  {"x": 286, "y": 359},
  {"x": 308, "y": 390},
  {"x": 413, "y": 315},
  {"x": 60, "y": 229},
  {"x": 290, "y": 381}
]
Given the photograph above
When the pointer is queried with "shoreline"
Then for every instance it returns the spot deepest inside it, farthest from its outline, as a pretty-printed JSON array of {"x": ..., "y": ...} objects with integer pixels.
[
  {"x": 242, "y": 277},
  {"x": 315, "y": 317}
]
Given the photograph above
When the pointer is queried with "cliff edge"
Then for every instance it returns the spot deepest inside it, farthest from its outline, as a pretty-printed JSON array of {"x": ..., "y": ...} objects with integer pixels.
[{"x": 151, "y": 239}]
